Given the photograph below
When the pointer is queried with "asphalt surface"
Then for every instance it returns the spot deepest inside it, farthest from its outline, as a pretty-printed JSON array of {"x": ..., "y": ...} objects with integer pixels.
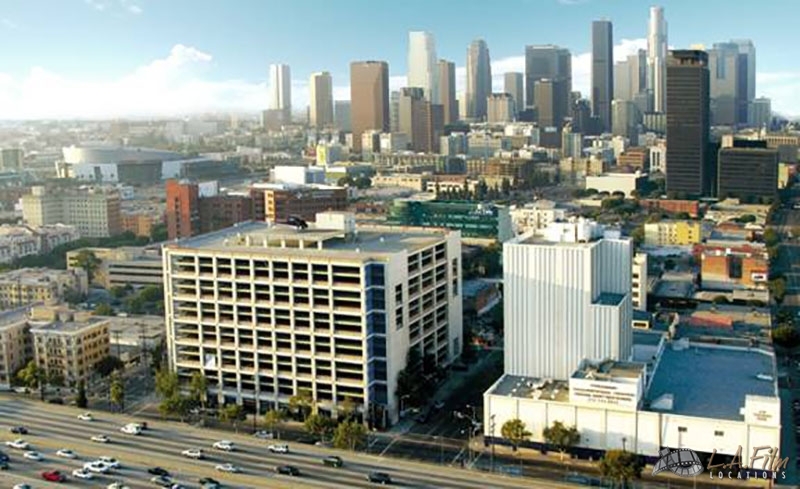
[{"x": 53, "y": 427}]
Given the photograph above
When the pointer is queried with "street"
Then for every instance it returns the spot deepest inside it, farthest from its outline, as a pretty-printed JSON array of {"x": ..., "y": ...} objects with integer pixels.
[{"x": 55, "y": 427}]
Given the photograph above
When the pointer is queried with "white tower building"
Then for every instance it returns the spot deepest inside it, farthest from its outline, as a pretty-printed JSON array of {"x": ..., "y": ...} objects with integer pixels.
[
  {"x": 281, "y": 90},
  {"x": 422, "y": 64},
  {"x": 657, "y": 58}
]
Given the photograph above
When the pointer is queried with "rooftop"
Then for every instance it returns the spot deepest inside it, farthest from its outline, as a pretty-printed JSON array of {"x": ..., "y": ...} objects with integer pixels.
[
  {"x": 13, "y": 317},
  {"x": 711, "y": 382},
  {"x": 609, "y": 370},
  {"x": 519, "y": 386},
  {"x": 609, "y": 299},
  {"x": 33, "y": 276},
  {"x": 65, "y": 327}
]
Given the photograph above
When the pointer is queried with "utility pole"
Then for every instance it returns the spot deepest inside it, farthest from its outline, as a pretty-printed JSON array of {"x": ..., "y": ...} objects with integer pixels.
[{"x": 491, "y": 427}]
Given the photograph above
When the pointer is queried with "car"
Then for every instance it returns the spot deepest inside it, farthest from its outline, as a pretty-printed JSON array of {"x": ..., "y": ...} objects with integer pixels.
[
  {"x": 333, "y": 461},
  {"x": 66, "y": 453},
  {"x": 110, "y": 461},
  {"x": 22, "y": 486},
  {"x": 161, "y": 481},
  {"x": 3, "y": 465},
  {"x": 82, "y": 474},
  {"x": 36, "y": 456},
  {"x": 175, "y": 485},
  {"x": 19, "y": 430},
  {"x": 194, "y": 453},
  {"x": 158, "y": 471},
  {"x": 224, "y": 445},
  {"x": 379, "y": 478},
  {"x": 56, "y": 400},
  {"x": 287, "y": 470},
  {"x": 86, "y": 417},
  {"x": 282, "y": 448},
  {"x": 230, "y": 468},
  {"x": 131, "y": 429},
  {"x": 100, "y": 439},
  {"x": 53, "y": 476},
  {"x": 209, "y": 483},
  {"x": 117, "y": 485},
  {"x": 97, "y": 467},
  {"x": 264, "y": 435},
  {"x": 4, "y": 457},
  {"x": 19, "y": 444}
]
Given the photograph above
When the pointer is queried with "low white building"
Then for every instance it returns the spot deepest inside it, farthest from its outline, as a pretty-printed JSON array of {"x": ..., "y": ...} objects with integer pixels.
[
  {"x": 298, "y": 175},
  {"x": 536, "y": 216},
  {"x": 617, "y": 182}
]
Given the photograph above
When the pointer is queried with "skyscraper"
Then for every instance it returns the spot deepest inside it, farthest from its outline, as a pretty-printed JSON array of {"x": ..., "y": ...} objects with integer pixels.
[
  {"x": 602, "y": 71},
  {"x": 747, "y": 62},
  {"x": 479, "y": 79},
  {"x": 341, "y": 115},
  {"x": 500, "y": 108},
  {"x": 727, "y": 85},
  {"x": 551, "y": 102},
  {"x": 447, "y": 90},
  {"x": 281, "y": 90},
  {"x": 422, "y": 64},
  {"x": 630, "y": 76},
  {"x": 548, "y": 62},
  {"x": 657, "y": 57},
  {"x": 321, "y": 99},
  {"x": 513, "y": 85},
  {"x": 369, "y": 98},
  {"x": 689, "y": 169}
]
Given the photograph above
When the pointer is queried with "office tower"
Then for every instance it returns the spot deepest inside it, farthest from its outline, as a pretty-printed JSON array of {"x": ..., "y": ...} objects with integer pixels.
[
  {"x": 747, "y": 49},
  {"x": 657, "y": 57},
  {"x": 550, "y": 102},
  {"x": 546, "y": 62},
  {"x": 727, "y": 85},
  {"x": 689, "y": 170},
  {"x": 747, "y": 169},
  {"x": 394, "y": 107},
  {"x": 513, "y": 85},
  {"x": 420, "y": 120},
  {"x": 499, "y": 108},
  {"x": 332, "y": 310},
  {"x": 321, "y": 98},
  {"x": 281, "y": 91},
  {"x": 341, "y": 115},
  {"x": 581, "y": 115},
  {"x": 447, "y": 91},
  {"x": 571, "y": 143},
  {"x": 760, "y": 112},
  {"x": 567, "y": 297},
  {"x": 479, "y": 79},
  {"x": 630, "y": 76},
  {"x": 602, "y": 71},
  {"x": 369, "y": 98},
  {"x": 422, "y": 64},
  {"x": 624, "y": 120}
]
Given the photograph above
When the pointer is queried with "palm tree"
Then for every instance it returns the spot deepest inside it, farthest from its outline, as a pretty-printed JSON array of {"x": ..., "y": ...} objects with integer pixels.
[
  {"x": 274, "y": 419},
  {"x": 232, "y": 413},
  {"x": 198, "y": 389},
  {"x": 116, "y": 392},
  {"x": 33, "y": 376}
]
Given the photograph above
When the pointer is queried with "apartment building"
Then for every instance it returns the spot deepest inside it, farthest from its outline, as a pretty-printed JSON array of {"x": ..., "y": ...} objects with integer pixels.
[
  {"x": 282, "y": 201},
  {"x": 639, "y": 282},
  {"x": 68, "y": 344},
  {"x": 29, "y": 285},
  {"x": 94, "y": 211},
  {"x": 15, "y": 344},
  {"x": 265, "y": 311},
  {"x": 128, "y": 265},
  {"x": 20, "y": 241},
  {"x": 672, "y": 233}
]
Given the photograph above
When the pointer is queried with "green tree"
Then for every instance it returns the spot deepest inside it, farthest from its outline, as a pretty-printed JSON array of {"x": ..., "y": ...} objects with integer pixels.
[
  {"x": 175, "y": 405},
  {"x": 302, "y": 404},
  {"x": 103, "y": 310},
  {"x": 108, "y": 365},
  {"x": 349, "y": 435},
  {"x": 152, "y": 293},
  {"x": 198, "y": 389},
  {"x": 412, "y": 385},
  {"x": 87, "y": 260},
  {"x": 116, "y": 392},
  {"x": 81, "y": 400},
  {"x": 562, "y": 437},
  {"x": 777, "y": 287},
  {"x": 620, "y": 466},
  {"x": 771, "y": 237},
  {"x": 720, "y": 299},
  {"x": 785, "y": 336},
  {"x": 118, "y": 291},
  {"x": 319, "y": 425},
  {"x": 274, "y": 419},
  {"x": 638, "y": 235},
  {"x": 363, "y": 182},
  {"x": 347, "y": 409},
  {"x": 33, "y": 377},
  {"x": 167, "y": 384},
  {"x": 232, "y": 413},
  {"x": 515, "y": 431}
]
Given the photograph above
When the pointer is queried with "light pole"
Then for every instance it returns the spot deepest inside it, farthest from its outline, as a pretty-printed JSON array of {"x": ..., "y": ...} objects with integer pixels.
[
  {"x": 624, "y": 440},
  {"x": 403, "y": 398},
  {"x": 491, "y": 428}
]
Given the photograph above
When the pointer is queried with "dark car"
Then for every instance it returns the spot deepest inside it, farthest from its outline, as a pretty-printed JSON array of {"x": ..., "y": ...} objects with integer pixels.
[
  {"x": 158, "y": 471},
  {"x": 287, "y": 470},
  {"x": 4, "y": 457},
  {"x": 379, "y": 478},
  {"x": 19, "y": 430},
  {"x": 4, "y": 465},
  {"x": 56, "y": 400},
  {"x": 333, "y": 461},
  {"x": 209, "y": 483}
]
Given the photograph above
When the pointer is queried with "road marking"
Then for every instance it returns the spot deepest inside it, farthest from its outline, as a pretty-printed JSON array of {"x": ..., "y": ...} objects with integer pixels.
[{"x": 394, "y": 439}]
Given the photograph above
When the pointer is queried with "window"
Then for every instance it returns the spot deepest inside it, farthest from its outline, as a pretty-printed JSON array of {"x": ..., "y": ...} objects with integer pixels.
[
  {"x": 681, "y": 429},
  {"x": 719, "y": 433}
]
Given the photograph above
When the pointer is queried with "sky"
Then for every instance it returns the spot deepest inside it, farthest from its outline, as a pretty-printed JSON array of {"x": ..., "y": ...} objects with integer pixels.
[{"x": 117, "y": 58}]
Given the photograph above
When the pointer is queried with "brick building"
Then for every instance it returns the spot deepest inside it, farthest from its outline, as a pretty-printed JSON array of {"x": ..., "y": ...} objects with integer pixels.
[
  {"x": 726, "y": 266},
  {"x": 691, "y": 207},
  {"x": 189, "y": 214},
  {"x": 280, "y": 201}
]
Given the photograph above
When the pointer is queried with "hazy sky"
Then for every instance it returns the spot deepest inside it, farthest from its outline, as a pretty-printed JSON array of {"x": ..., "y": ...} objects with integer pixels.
[{"x": 100, "y": 58}]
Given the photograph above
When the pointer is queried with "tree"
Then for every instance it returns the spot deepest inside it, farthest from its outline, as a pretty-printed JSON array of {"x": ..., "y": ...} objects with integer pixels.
[
  {"x": 319, "y": 425},
  {"x": 108, "y": 365},
  {"x": 412, "y": 385},
  {"x": 87, "y": 260},
  {"x": 349, "y": 435},
  {"x": 771, "y": 237},
  {"x": 175, "y": 404},
  {"x": 363, "y": 182},
  {"x": 33, "y": 377},
  {"x": 116, "y": 392},
  {"x": 515, "y": 432},
  {"x": 777, "y": 287},
  {"x": 620, "y": 466},
  {"x": 720, "y": 299},
  {"x": 232, "y": 413},
  {"x": 118, "y": 291},
  {"x": 347, "y": 409},
  {"x": 302, "y": 404},
  {"x": 274, "y": 419},
  {"x": 167, "y": 384},
  {"x": 103, "y": 310},
  {"x": 198, "y": 389},
  {"x": 561, "y": 437},
  {"x": 152, "y": 293},
  {"x": 80, "y": 400},
  {"x": 785, "y": 336}
]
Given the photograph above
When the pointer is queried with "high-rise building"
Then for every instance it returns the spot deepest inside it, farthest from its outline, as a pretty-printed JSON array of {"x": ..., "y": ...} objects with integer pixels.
[
  {"x": 447, "y": 91},
  {"x": 513, "y": 85},
  {"x": 369, "y": 98},
  {"x": 747, "y": 169},
  {"x": 479, "y": 79},
  {"x": 394, "y": 111},
  {"x": 550, "y": 102},
  {"x": 332, "y": 310},
  {"x": 422, "y": 64},
  {"x": 624, "y": 119},
  {"x": 567, "y": 298},
  {"x": 281, "y": 90},
  {"x": 689, "y": 168},
  {"x": 727, "y": 85},
  {"x": 748, "y": 51},
  {"x": 321, "y": 100},
  {"x": 547, "y": 62},
  {"x": 657, "y": 48},
  {"x": 420, "y": 120},
  {"x": 759, "y": 113},
  {"x": 341, "y": 115},
  {"x": 602, "y": 71},
  {"x": 183, "y": 213},
  {"x": 630, "y": 76},
  {"x": 192, "y": 211},
  {"x": 499, "y": 108}
]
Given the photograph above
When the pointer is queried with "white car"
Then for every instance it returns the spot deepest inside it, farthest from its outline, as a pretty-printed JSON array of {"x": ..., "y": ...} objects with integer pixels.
[
  {"x": 131, "y": 429},
  {"x": 33, "y": 456},
  {"x": 97, "y": 467},
  {"x": 230, "y": 468},
  {"x": 194, "y": 453},
  {"x": 65, "y": 453},
  {"x": 224, "y": 445},
  {"x": 82, "y": 474},
  {"x": 85, "y": 417},
  {"x": 19, "y": 444},
  {"x": 100, "y": 439},
  {"x": 111, "y": 462},
  {"x": 264, "y": 435},
  {"x": 22, "y": 486},
  {"x": 278, "y": 448},
  {"x": 117, "y": 485}
]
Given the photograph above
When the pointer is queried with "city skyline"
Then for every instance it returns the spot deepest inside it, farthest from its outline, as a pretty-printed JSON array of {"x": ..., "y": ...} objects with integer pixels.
[{"x": 146, "y": 67}]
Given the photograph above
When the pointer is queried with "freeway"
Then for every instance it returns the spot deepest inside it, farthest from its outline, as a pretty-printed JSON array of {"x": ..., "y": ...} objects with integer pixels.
[{"x": 53, "y": 427}]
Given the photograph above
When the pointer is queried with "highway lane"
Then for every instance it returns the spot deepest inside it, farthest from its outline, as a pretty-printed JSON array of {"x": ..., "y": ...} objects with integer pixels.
[{"x": 54, "y": 427}]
